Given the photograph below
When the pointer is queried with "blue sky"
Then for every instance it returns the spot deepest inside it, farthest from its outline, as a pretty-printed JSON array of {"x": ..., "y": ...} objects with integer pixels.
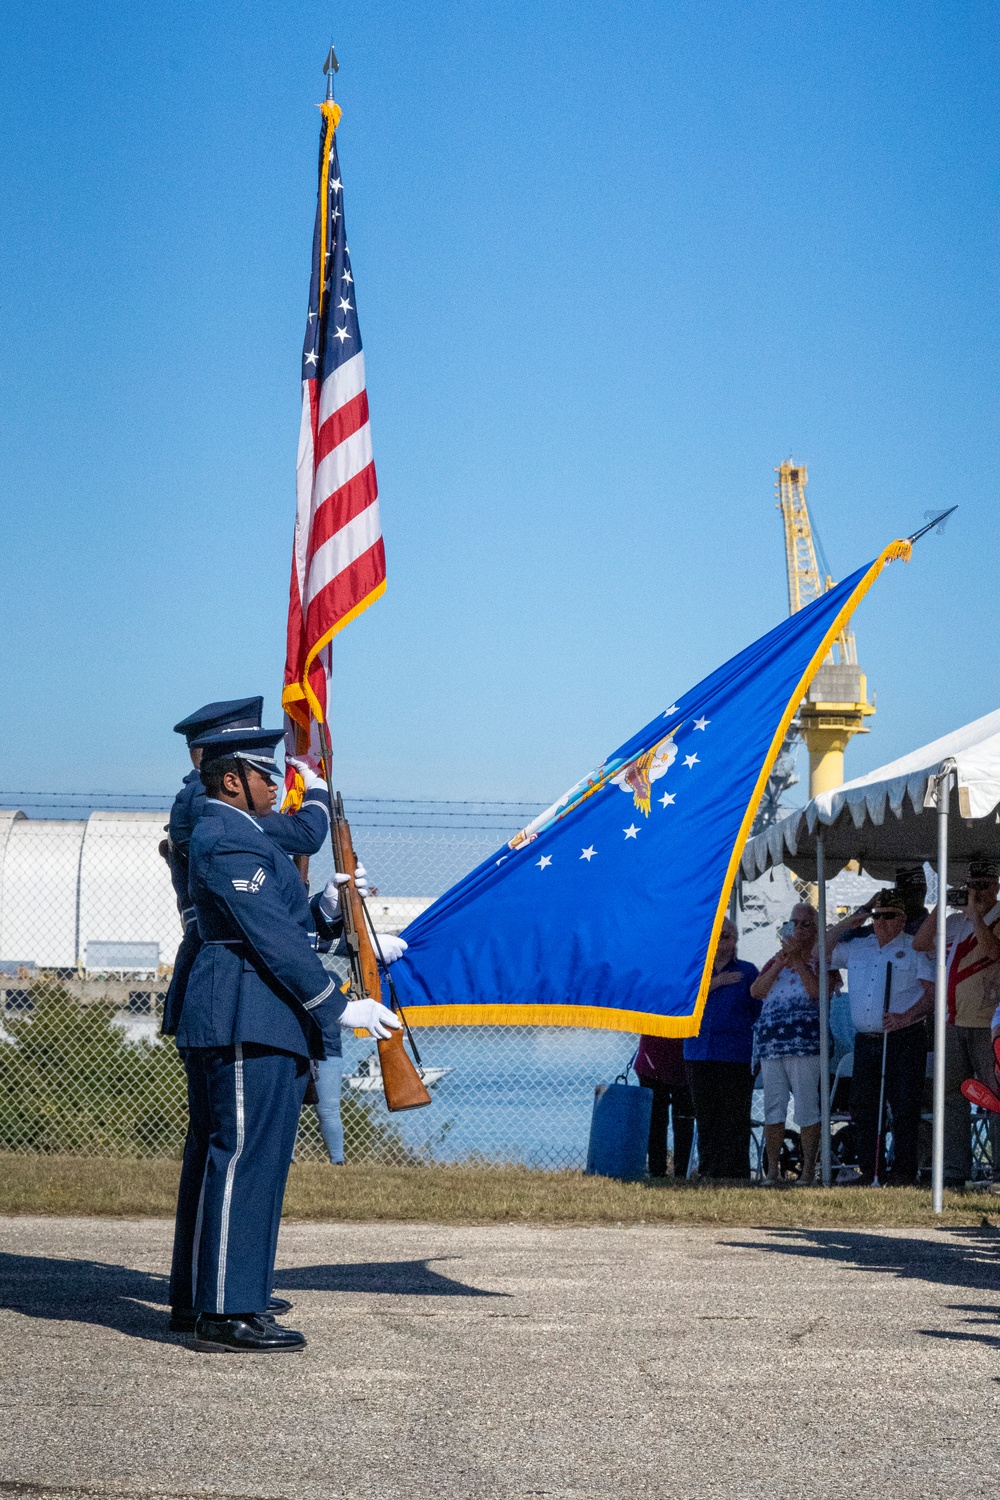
[{"x": 613, "y": 263}]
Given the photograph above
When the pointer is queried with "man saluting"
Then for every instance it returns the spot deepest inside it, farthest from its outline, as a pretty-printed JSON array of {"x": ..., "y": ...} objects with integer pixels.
[
  {"x": 257, "y": 1002},
  {"x": 303, "y": 832}
]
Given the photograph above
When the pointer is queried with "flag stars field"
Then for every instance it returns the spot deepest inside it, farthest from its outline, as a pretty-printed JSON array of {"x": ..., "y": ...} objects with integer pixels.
[
  {"x": 544, "y": 862},
  {"x": 702, "y": 723},
  {"x": 667, "y": 799},
  {"x": 631, "y": 832},
  {"x": 691, "y": 760},
  {"x": 588, "y": 854}
]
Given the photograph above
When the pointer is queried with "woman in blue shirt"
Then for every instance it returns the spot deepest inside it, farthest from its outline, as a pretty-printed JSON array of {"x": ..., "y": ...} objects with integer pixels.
[{"x": 718, "y": 1064}]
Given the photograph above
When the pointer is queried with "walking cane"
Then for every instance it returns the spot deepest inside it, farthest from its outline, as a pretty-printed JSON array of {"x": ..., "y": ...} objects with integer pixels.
[{"x": 881, "y": 1086}]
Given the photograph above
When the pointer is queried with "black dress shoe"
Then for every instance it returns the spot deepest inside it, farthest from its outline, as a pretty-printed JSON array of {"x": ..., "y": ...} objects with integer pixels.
[
  {"x": 279, "y": 1306},
  {"x": 244, "y": 1333},
  {"x": 183, "y": 1321}
]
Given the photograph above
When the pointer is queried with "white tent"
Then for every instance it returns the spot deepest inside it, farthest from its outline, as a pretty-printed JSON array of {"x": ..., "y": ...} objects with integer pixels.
[
  {"x": 958, "y": 776},
  {"x": 853, "y": 821}
]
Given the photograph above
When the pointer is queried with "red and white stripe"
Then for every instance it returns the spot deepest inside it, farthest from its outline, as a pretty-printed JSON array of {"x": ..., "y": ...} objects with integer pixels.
[{"x": 338, "y": 559}]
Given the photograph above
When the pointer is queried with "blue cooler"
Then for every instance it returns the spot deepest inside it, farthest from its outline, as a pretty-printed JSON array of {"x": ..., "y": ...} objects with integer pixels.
[{"x": 619, "y": 1130}]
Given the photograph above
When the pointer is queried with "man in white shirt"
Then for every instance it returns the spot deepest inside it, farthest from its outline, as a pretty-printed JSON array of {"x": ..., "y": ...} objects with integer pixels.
[
  {"x": 891, "y": 990},
  {"x": 973, "y": 956}
]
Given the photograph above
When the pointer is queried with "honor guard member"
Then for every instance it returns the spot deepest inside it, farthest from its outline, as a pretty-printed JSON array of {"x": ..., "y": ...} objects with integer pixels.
[
  {"x": 303, "y": 832},
  {"x": 258, "y": 1000}
]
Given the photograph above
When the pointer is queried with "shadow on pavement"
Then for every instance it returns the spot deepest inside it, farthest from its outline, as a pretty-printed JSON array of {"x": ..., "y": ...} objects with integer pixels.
[
  {"x": 405, "y": 1278},
  {"x": 86, "y": 1291},
  {"x": 110, "y": 1296},
  {"x": 972, "y": 1264}
]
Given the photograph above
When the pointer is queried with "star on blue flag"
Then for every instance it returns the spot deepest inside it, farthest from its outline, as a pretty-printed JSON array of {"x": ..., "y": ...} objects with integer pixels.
[{"x": 542, "y": 934}]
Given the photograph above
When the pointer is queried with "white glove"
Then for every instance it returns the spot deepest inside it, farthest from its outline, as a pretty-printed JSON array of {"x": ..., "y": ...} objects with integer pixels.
[
  {"x": 376, "y": 1018},
  {"x": 309, "y": 773},
  {"x": 331, "y": 891},
  {"x": 393, "y": 947}
]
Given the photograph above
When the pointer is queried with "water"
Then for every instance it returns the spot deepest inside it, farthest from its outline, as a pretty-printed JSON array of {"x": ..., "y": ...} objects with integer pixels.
[{"x": 515, "y": 1094}]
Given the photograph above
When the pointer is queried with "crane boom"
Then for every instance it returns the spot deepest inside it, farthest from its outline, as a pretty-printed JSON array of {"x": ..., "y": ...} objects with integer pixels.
[
  {"x": 836, "y": 706},
  {"x": 804, "y": 584},
  {"x": 805, "y": 581}
]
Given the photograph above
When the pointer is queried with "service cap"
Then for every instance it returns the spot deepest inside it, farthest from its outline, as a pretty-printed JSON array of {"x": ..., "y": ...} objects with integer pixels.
[
  {"x": 254, "y": 747},
  {"x": 237, "y": 713}
]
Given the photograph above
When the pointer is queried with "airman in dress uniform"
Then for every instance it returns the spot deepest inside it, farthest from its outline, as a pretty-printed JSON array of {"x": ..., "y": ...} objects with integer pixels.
[
  {"x": 303, "y": 832},
  {"x": 258, "y": 1000}
]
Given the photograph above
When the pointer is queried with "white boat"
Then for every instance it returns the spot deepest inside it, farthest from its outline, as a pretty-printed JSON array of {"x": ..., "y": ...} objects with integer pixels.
[{"x": 368, "y": 1078}]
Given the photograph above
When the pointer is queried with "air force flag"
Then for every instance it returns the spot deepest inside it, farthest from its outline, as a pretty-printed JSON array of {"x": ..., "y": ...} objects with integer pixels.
[{"x": 606, "y": 910}]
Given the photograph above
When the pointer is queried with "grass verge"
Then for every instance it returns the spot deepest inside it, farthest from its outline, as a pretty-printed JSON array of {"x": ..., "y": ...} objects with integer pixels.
[{"x": 124, "y": 1188}]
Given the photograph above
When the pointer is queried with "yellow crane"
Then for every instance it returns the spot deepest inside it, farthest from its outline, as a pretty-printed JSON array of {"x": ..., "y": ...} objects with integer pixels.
[{"x": 836, "y": 706}]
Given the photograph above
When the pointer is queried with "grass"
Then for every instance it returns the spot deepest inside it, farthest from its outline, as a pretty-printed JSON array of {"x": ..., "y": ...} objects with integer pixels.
[{"x": 125, "y": 1188}]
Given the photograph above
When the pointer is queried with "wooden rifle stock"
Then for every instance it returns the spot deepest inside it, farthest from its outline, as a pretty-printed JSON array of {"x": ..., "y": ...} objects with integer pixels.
[{"x": 401, "y": 1083}]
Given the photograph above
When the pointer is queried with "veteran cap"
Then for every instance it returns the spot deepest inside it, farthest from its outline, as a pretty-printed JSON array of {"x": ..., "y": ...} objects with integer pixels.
[
  {"x": 983, "y": 869},
  {"x": 254, "y": 747},
  {"x": 890, "y": 901},
  {"x": 237, "y": 713}
]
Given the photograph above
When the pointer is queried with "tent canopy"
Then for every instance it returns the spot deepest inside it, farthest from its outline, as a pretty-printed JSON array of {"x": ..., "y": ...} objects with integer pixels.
[{"x": 853, "y": 821}]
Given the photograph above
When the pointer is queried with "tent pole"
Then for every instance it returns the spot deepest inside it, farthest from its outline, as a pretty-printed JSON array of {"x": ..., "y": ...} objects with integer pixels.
[
  {"x": 940, "y": 992},
  {"x": 824, "y": 1017}
]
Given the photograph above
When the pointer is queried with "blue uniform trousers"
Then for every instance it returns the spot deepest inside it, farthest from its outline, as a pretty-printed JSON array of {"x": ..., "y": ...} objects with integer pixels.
[{"x": 244, "y": 1106}]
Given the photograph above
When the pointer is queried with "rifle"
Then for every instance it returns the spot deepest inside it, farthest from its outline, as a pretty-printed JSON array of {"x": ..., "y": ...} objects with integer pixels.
[{"x": 401, "y": 1083}]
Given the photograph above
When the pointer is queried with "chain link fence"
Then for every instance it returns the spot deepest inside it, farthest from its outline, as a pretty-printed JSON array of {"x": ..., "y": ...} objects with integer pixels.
[{"x": 88, "y": 931}]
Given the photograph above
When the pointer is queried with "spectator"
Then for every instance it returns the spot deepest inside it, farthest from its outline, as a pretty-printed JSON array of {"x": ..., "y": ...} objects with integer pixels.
[
  {"x": 787, "y": 1035},
  {"x": 718, "y": 1064},
  {"x": 911, "y": 883},
  {"x": 911, "y": 997},
  {"x": 973, "y": 948},
  {"x": 660, "y": 1067},
  {"x": 328, "y": 1077}
]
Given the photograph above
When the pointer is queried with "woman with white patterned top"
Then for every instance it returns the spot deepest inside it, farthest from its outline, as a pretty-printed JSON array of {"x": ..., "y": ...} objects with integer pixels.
[{"x": 787, "y": 1042}]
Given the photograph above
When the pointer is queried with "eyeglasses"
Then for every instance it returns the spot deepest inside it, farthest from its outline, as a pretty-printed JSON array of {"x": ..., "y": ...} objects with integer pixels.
[
  {"x": 803, "y": 922},
  {"x": 888, "y": 916}
]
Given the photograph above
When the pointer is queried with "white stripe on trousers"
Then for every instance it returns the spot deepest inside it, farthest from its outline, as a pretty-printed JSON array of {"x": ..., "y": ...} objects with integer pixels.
[
  {"x": 196, "y": 1241},
  {"x": 227, "y": 1196}
]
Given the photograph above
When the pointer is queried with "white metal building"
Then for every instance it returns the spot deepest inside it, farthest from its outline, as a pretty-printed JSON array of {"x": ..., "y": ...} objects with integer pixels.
[{"x": 93, "y": 894}]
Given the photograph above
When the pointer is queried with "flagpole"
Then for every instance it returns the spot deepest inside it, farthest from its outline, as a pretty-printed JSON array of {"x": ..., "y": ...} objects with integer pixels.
[{"x": 330, "y": 67}]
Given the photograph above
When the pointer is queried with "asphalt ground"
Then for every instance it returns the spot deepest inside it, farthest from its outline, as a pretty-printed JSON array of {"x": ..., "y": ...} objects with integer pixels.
[{"x": 512, "y": 1361}]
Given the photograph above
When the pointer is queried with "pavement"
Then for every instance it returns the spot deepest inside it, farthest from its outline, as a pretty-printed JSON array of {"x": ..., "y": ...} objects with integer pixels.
[{"x": 505, "y": 1362}]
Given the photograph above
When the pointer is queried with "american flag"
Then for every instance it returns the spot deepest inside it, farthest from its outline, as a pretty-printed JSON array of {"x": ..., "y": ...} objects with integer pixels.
[{"x": 338, "y": 560}]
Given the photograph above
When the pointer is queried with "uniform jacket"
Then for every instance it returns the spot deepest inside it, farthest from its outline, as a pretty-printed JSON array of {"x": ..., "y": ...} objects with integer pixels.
[
  {"x": 303, "y": 832},
  {"x": 257, "y": 976}
]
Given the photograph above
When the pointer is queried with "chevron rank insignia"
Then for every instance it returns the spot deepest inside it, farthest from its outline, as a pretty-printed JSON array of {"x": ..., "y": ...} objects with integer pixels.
[{"x": 253, "y": 885}]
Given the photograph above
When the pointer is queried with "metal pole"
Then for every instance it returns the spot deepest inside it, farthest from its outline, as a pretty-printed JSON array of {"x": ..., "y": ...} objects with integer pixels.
[
  {"x": 824, "y": 1017},
  {"x": 940, "y": 992}
]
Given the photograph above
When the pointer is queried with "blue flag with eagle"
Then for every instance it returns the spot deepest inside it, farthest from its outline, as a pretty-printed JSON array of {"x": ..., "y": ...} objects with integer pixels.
[{"x": 605, "y": 911}]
